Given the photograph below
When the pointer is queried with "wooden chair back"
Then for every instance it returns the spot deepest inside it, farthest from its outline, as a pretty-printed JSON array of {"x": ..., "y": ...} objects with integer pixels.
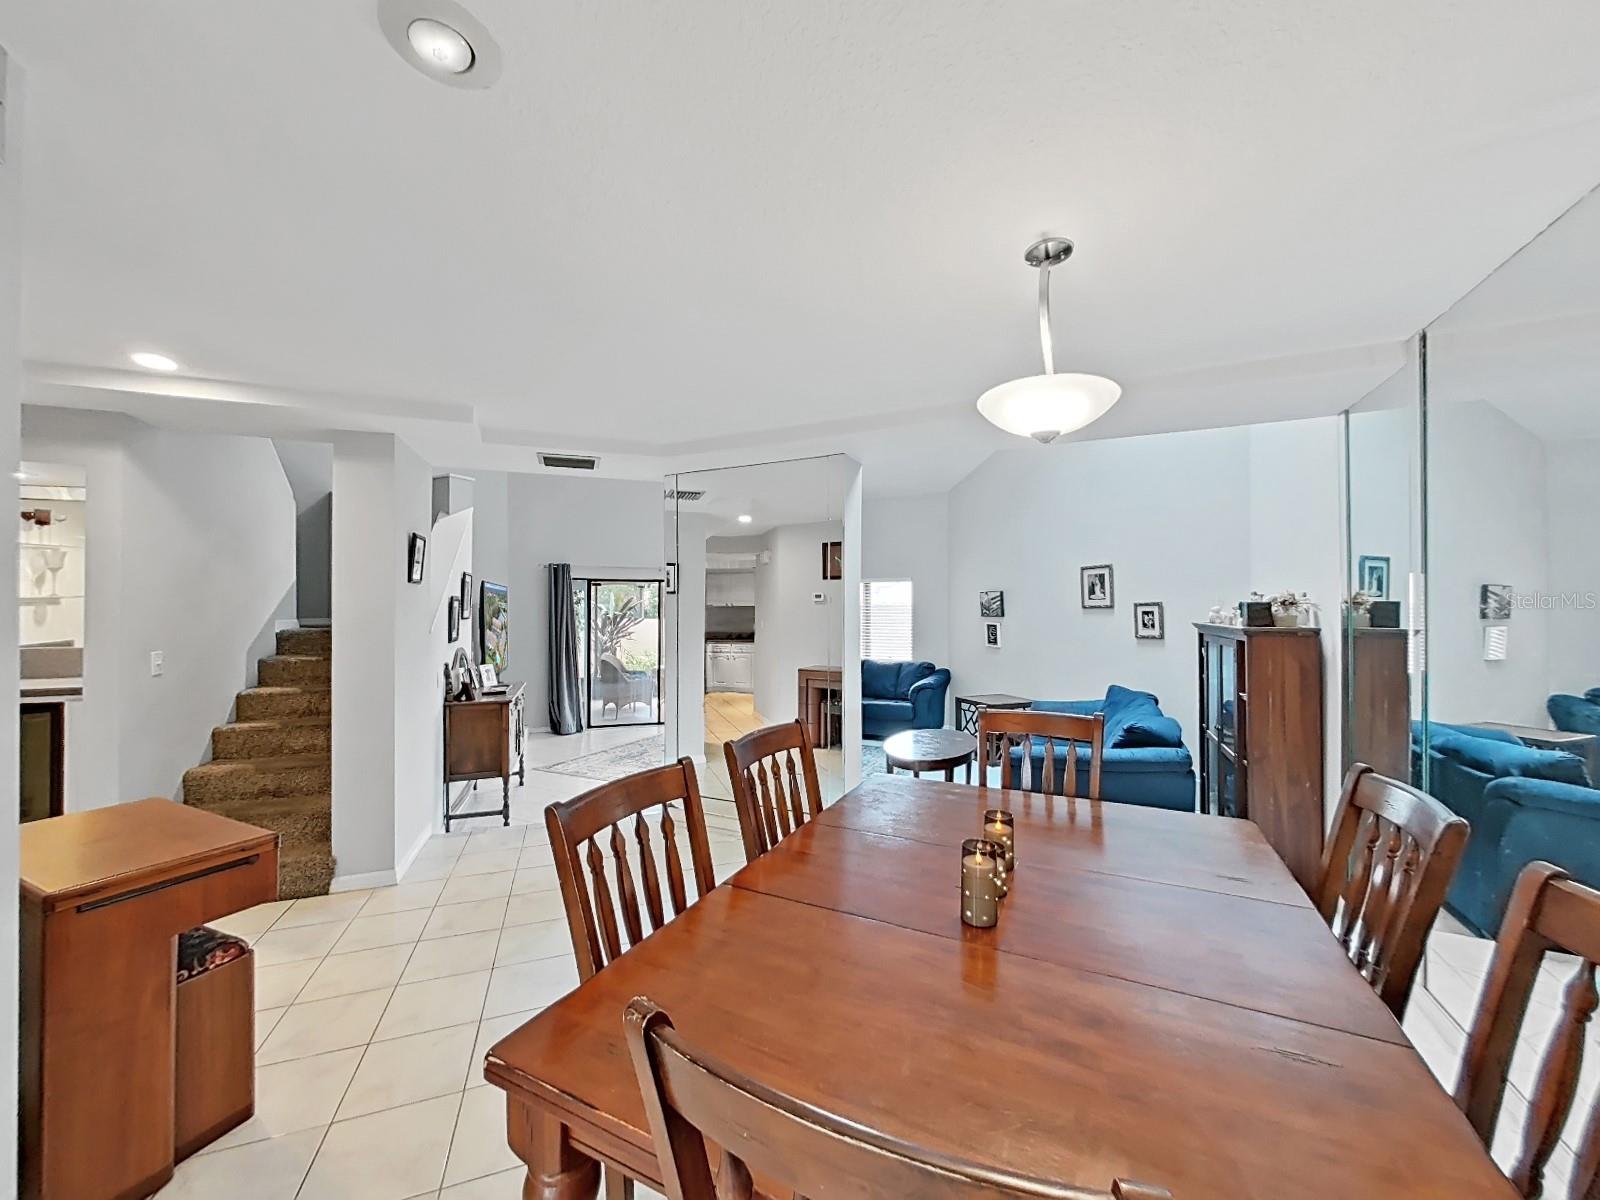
[
  {"x": 599, "y": 917},
  {"x": 1001, "y": 729},
  {"x": 1385, "y": 870},
  {"x": 1547, "y": 912},
  {"x": 690, "y": 1099},
  {"x": 768, "y": 768}
]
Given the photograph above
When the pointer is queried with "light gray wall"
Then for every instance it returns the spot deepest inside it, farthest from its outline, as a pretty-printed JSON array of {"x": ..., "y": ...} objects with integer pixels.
[
  {"x": 686, "y": 637},
  {"x": 10, "y": 453},
  {"x": 908, "y": 537},
  {"x": 308, "y": 466},
  {"x": 607, "y": 524},
  {"x": 491, "y": 537},
  {"x": 791, "y": 630},
  {"x": 1574, "y": 557},
  {"x": 191, "y": 552}
]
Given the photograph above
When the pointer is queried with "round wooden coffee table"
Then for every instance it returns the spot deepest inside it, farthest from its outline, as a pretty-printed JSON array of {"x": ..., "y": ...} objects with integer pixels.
[{"x": 919, "y": 750}]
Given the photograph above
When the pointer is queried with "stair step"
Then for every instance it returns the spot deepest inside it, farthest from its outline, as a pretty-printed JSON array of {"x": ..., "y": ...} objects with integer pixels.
[
  {"x": 272, "y": 703},
  {"x": 293, "y": 670},
  {"x": 307, "y": 643},
  {"x": 272, "y": 738},
  {"x": 246, "y": 778},
  {"x": 301, "y": 821},
  {"x": 304, "y": 871}
]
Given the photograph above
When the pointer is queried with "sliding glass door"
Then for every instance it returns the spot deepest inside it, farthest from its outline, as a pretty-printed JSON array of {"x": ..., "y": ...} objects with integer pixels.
[{"x": 619, "y": 628}]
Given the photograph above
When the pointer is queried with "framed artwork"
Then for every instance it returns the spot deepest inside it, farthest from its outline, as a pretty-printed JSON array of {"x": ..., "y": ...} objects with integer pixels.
[
  {"x": 494, "y": 603},
  {"x": 1150, "y": 621},
  {"x": 466, "y": 594},
  {"x": 1097, "y": 586},
  {"x": 991, "y": 634},
  {"x": 833, "y": 560},
  {"x": 1494, "y": 602},
  {"x": 487, "y": 679},
  {"x": 416, "y": 553},
  {"x": 1372, "y": 575},
  {"x": 991, "y": 605},
  {"x": 453, "y": 629},
  {"x": 672, "y": 579}
]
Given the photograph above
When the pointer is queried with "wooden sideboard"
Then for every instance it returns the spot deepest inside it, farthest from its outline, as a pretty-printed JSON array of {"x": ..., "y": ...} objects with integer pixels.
[
  {"x": 480, "y": 738},
  {"x": 105, "y": 894},
  {"x": 815, "y": 686},
  {"x": 1261, "y": 736}
]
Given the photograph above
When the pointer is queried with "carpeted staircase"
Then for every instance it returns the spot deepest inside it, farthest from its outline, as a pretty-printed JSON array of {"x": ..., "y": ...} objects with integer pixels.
[{"x": 272, "y": 765}]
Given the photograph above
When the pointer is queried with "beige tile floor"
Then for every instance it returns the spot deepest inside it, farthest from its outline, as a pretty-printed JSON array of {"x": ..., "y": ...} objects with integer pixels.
[
  {"x": 374, "y": 1010},
  {"x": 731, "y": 715}
]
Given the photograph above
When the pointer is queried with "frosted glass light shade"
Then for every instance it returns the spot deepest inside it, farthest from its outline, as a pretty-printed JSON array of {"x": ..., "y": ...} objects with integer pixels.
[
  {"x": 440, "y": 47},
  {"x": 1044, "y": 407}
]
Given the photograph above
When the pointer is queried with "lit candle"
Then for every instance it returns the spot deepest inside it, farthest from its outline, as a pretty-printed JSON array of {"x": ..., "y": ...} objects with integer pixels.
[
  {"x": 1002, "y": 877},
  {"x": 1000, "y": 826},
  {"x": 980, "y": 898}
]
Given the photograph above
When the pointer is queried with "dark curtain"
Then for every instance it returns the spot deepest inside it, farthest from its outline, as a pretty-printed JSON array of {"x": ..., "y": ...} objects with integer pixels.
[{"x": 566, "y": 698}]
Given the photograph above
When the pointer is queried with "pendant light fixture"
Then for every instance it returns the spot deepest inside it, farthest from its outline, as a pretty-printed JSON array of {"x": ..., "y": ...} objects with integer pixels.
[{"x": 1043, "y": 407}]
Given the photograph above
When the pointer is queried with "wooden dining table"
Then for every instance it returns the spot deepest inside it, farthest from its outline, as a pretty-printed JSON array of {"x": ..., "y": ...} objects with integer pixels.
[{"x": 1158, "y": 1002}]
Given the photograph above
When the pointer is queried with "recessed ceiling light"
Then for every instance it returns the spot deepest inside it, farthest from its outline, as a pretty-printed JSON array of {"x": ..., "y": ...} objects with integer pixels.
[
  {"x": 440, "y": 47},
  {"x": 442, "y": 40},
  {"x": 151, "y": 361},
  {"x": 745, "y": 518}
]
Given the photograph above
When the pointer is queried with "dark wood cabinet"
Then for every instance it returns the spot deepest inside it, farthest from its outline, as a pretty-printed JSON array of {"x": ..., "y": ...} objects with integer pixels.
[
  {"x": 480, "y": 739},
  {"x": 1377, "y": 716},
  {"x": 1261, "y": 736}
]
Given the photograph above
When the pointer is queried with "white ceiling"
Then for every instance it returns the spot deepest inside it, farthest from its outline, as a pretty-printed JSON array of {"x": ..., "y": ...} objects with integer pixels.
[{"x": 701, "y": 234}]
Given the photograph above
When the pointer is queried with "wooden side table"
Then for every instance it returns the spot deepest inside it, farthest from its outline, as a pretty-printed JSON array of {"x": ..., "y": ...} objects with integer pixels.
[
  {"x": 968, "y": 707},
  {"x": 815, "y": 684},
  {"x": 919, "y": 750},
  {"x": 480, "y": 737}
]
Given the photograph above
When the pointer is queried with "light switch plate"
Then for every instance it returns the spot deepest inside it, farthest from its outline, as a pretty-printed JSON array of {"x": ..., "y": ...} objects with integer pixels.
[
  {"x": 157, "y": 662},
  {"x": 819, "y": 597}
]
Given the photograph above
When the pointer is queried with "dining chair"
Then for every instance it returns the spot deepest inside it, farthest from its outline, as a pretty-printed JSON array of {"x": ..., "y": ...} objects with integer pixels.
[
  {"x": 1001, "y": 730},
  {"x": 770, "y": 809},
  {"x": 691, "y": 1099},
  {"x": 1385, "y": 870},
  {"x": 1547, "y": 912},
  {"x": 599, "y": 917}
]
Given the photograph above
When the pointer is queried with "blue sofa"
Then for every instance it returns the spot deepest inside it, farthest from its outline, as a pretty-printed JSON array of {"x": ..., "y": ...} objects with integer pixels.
[
  {"x": 1576, "y": 714},
  {"x": 1524, "y": 804},
  {"x": 1145, "y": 760},
  {"x": 896, "y": 696}
]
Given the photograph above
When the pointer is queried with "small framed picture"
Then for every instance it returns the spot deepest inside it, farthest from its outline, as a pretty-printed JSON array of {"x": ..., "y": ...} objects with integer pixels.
[
  {"x": 1494, "y": 602},
  {"x": 466, "y": 595},
  {"x": 417, "y": 552},
  {"x": 991, "y": 634},
  {"x": 1150, "y": 621},
  {"x": 453, "y": 628},
  {"x": 991, "y": 605},
  {"x": 833, "y": 560},
  {"x": 488, "y": 680},
  {"x": 672, "y": 579},
  {"x": 1096, "y": 585},
  {"x": 1372, "y": 576}
]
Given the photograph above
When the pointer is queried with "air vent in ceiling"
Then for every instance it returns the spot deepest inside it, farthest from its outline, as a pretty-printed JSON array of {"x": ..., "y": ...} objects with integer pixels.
[
  {"x": 568, "y": 462},
  {"x": 684, "y": 494}
]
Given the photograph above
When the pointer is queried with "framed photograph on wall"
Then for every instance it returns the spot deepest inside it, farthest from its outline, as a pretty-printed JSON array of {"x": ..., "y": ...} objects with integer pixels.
[
  {"x": 1097, "y": 586},
  {"x": 833, "y": 560},
  {"x": 1494, "y": 602},
  {"x": 991, "y": 634},
  {"x": 1150, "y": 621},
  {"x": 416, "y": 553},
  {"x": 453, "y": 629},
  {"x": 466, "y": 595},
  {"x": 991, "y": 605},
  {"x": 672, "y": 579},
  {"x": 1372, "y": 575}
]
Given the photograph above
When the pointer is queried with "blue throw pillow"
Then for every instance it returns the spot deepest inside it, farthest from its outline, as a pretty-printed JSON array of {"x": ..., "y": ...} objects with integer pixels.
[
  {"x": 1501, "y": 760},
  {"x": 1123, "y": 706},
  {"x": 879, "y": 679},
  {"x": 1148, "y": 731},
  {"x": 1592, "y": 695}
]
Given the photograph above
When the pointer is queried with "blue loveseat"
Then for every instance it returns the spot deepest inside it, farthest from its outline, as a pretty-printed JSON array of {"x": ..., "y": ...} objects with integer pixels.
[
  {"x": 896, "y": 696},
  {"x": 1576, "y": 714},
  {"x": 1145, "y": 759},
  {"x": 1524, "y": 804}
]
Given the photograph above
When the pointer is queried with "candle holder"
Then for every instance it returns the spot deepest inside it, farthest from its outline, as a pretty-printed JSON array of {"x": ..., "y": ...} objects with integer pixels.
[
  {"x": 1002, "y": 877},
  {"x": 980, "y": 889},
  {"x": 1000, "y": 826}
]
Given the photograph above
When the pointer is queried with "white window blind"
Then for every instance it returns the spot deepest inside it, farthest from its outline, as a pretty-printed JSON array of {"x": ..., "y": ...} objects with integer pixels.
[{"x": 886, "y": 620}]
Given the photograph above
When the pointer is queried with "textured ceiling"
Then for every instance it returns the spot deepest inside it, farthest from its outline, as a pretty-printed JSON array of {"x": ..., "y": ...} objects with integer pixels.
[{"x": 690, "y": 233}]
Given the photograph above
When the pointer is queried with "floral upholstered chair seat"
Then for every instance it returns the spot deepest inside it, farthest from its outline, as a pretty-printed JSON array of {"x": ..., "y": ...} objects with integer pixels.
[{"x": 202, "y": 949}]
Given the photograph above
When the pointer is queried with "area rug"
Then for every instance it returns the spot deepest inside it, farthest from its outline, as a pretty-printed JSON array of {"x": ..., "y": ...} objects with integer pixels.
[
  {"x": 872, "y": 760},
  {"x": 616, "y": 762}
]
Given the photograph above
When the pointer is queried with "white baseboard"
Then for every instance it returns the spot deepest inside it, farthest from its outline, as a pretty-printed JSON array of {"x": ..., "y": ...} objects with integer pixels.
[
  {"x": 410, "y": 855},
  {"x": 377, "y": 879}
]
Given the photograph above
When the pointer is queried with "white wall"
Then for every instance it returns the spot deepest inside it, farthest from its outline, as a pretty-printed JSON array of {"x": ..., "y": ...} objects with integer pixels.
[
  {"x": 191, "y": 552},
  {"x": 1573, "y": 511},
  {"x": 686, "y": 637},
  {"x": 600, "y": 524},
  {"x": 308, "y": 466},
  {"x": 1487, "y": 524},
  {"x": 908, "y": 537},
  {"x": 491, "y": 537},
  {"x": 10, "y": 453},
  {"x": 792, "y": 631},
  {"x": 419, "y": 679}
]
